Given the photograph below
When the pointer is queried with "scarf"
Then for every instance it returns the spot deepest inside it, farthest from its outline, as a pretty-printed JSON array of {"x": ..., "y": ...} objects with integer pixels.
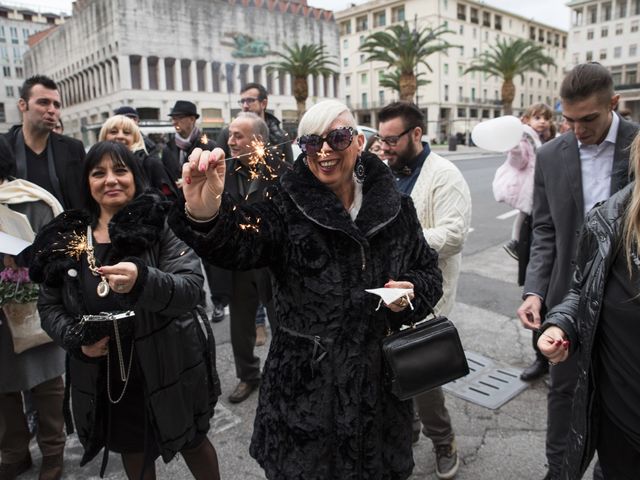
[
  {"x": 185, "y": 145},
  {"x": 23, "y": 191}
]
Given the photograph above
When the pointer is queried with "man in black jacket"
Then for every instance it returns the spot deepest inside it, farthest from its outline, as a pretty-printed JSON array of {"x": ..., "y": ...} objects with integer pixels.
[
  {"x": 43, "y": 157},
  {"x": 254, "y": 98}
]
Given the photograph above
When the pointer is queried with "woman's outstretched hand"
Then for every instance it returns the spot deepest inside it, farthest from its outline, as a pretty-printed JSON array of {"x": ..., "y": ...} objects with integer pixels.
[
  {"x": 554, "y": 345},
  {"x": 203, "y": 182}
]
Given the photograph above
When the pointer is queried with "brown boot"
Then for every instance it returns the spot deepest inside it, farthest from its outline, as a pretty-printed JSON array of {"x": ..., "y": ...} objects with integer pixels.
[
  {"x": 261, "y": 335},
  {"x": 9, "y": 471},
  {"x": 51, "y": 468}
]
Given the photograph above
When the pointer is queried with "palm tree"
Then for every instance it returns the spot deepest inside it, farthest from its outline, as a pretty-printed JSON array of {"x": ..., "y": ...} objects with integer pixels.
[
  {"x": 403, "y": 49},
  {"x": 392, "y": 80},
  {"x": 506, "y": 60},
  {"x": 300, "y": 61}
]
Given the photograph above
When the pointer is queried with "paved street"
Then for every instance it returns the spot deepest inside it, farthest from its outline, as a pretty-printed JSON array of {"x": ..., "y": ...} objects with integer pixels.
[{"x": 507, "y": 443}]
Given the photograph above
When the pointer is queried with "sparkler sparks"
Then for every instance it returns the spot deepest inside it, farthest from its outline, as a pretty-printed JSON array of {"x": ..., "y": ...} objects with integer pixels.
[
  {"x": 204, "y": 139},
  {"x": 75, "y": 246}
]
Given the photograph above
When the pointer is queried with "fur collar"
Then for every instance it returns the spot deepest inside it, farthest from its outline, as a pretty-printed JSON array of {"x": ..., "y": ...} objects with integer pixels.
[
  {"x": 380, "y": 204},
  {"x": 132, "y": 231}
]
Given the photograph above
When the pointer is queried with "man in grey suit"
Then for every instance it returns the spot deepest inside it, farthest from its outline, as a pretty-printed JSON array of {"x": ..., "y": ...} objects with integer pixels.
[{"x": 573, "y": 172}]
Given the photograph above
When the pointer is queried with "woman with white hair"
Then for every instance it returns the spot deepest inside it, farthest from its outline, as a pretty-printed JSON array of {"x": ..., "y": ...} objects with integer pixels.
[
  {"x": 122, "y": 129},
  {"x": 334, "y": 226}
]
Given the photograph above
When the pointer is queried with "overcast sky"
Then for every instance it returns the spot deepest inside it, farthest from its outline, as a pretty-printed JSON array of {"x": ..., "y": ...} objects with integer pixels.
[{"x": 551, "y": 12}]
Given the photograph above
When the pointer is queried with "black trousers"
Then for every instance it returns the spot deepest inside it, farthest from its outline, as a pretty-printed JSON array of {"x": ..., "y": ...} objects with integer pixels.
[
  {"x": 619, "y": 458},
  {"x": 248, "y": 291}
]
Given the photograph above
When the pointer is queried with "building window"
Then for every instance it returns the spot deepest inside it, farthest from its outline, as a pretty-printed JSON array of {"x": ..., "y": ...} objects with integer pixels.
[
  {"x": 462, "y": 112},
  {"x": 347, "y": 81},
  {"x": 14, "y": 34},
  {"x": 347, "y": 100},
  {"x": 461, "y": 94},
  {"x": 475, "y": 32},
  {"x": 362, "y": 58},
  {"x": 592, "y": 14},
  {"x": 604, "y": 32},
  {"x": 362, "y": 24},
  {"x": 633, "y": 49},
  {"x": 617, "y": 52},
  {"x": 345, "y": 62},
  {"x": 9, "y": 91},
  {"x": 364, "y": 78},
  {"x": 460, "y": 70},
  {"x": 3, "y": 117},
  {"x": 381, "y": 97},
  {"x": 446, "y": 93},
  {"x": 589, "y": 34},
  {"x": 634, "y": 27},
  {"x": 461, "y": 29},
  {"x": 462, "y": 50},
  {"x": 603, "y": 54},
  {"x": 345, "y": 43},
  {"x": 616, "y": 77},
  {"x": 473, "y": 15},
  {"x": 19, "y": 72},
  {"x": 486, "y": 113},
  {"x": 556, "y": 40},
  {"x": 605, "y": 12},
  {"x": 462, "y": 12},
  {"x": 619, "y": 29},
  {"x": 497, "y": 22},
  {"x": 632, "y": 77},
  {"x": 345, "y": 27},
  {"x": 486, "y": 19},
  {"x": 576, "y": 20},
  {"x": 397, "y": 14},
  {"x": 475, "y": 52},
  {"x": 446, "y": 69},
  {"x": 17, "y": 55},
  {"x": 365, "y": 100},
  {"x": 621, "y": 8},
  {"x": 361, "y": 40},
  {"x": 473, "y": 94},
  {"x": 473, "y": 113},
  {"x": 25, "y": 33},
  {"x": 589, "y": 56},
  {"x": 380, "y": 19},
  {"x": 635, "y": 7}
]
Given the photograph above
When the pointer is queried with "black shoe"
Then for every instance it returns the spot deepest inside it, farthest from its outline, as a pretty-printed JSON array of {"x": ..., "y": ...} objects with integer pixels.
[
  {"x": 9, "y": 471},
  {"x": 218, "y": 313},
  {"x": 511, "y": 247},
  {"x": 534, "y": 371},
  {"x": 242, "y": 391}
]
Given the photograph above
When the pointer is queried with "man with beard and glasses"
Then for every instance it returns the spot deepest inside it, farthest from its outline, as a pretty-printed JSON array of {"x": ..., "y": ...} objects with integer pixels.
[{"x": 443, "y": 203}]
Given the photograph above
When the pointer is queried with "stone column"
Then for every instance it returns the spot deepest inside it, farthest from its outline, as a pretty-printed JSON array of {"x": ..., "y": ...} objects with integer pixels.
[
  {"x": 208, "y": 77},
  {"x": 144, "y": 73},
  {"x": 177, "y": 75},
  {"x": 124, "y": 72},
  {"x": 193, "y": 75},
  {"x": 162, "y": 75}
]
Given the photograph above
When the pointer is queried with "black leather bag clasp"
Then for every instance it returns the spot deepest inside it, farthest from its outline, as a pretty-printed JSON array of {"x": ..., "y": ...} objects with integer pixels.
[
  {"x": 92, "y": 328},
  {"x": 424, "y": 356}
]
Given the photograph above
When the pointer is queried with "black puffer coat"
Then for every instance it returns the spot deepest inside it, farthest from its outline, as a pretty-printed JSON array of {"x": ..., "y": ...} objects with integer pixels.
[
  {"x": 325, "y": 409},
  {"x": 180, "y": 381},
  {"x": 578, "y": 317}
]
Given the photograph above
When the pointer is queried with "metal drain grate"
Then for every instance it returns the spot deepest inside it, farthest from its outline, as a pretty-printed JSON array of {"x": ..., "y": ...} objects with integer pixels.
[{"x": 488, "y": 384}]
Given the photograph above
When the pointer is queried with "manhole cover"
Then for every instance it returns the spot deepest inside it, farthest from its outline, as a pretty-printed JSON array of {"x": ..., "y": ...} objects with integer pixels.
[{"x": 488, "y": 384}]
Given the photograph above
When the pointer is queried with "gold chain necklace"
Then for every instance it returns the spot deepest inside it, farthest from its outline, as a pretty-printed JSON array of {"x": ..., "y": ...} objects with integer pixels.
[{"x": 103, "y": 287}]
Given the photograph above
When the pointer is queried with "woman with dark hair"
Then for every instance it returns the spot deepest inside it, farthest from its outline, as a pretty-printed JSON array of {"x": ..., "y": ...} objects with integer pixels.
[
  {"x": 598, "y": 322},
  {"x": 334, "y": 226},
  {"x": 137, "y": 383}
]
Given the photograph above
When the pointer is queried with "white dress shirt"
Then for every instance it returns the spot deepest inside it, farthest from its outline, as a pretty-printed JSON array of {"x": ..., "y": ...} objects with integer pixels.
[{"x": 596, "y": 162}]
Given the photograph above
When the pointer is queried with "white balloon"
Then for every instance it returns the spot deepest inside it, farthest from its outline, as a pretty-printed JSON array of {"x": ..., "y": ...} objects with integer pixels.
[{"x": 499, "y": 134}]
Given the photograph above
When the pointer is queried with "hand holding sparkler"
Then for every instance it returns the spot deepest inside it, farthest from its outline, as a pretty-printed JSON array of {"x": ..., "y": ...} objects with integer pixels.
[
  {"x": 203, "y": 182},
  {"x": 554, "y": 345}
]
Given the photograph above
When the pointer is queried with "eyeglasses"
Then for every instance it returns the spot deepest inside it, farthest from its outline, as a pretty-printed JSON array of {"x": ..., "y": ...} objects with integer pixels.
[
  {"x": 338, "y": 139},
  {"x": 393, "y": 140},
  {"x": 248, "y": 100}
]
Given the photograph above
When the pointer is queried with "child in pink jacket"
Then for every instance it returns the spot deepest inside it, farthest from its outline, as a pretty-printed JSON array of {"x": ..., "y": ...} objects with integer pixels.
[{"x": 513, "y": 182}]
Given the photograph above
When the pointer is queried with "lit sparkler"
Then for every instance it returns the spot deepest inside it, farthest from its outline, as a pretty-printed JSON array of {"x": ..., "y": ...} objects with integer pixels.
[
  {"x": 75, "y": 247},
  {"x": 204, "y": 139}
]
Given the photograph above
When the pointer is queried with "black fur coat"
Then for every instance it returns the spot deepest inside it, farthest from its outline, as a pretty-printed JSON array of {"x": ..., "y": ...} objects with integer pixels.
[
  {"x": 174, "y": 356},
  {"x": 325, "y": 409}
]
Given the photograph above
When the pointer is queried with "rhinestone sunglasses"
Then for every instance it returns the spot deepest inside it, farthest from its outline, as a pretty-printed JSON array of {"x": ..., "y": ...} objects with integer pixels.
[{"x": 338, "y": 139}]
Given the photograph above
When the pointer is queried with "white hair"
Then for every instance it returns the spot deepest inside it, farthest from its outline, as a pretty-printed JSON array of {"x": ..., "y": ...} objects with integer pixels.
[
  {"x": 318, "y": 118},
  {"x": 258, "y": 125}
]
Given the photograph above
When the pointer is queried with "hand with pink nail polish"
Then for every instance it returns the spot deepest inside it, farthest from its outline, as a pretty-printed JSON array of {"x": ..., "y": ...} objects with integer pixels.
[
  {"x": 554, "y": 345},
  {"x": 203, "y": 182}
]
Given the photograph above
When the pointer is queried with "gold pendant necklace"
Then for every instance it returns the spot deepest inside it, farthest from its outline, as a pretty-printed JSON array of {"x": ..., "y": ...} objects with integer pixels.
[{"x": 103, "y": 287}]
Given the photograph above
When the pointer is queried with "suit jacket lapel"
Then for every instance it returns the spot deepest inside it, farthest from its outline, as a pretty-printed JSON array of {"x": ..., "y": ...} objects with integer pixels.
[
  {"x": 620, "y": 168},
  {"x": 570, "y": 158}
]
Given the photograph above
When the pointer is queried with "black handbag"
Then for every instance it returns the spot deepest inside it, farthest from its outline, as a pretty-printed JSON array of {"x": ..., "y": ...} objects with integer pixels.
[
  {"x": 424, "y": 356},
  {"x": 92, "y": 328}
]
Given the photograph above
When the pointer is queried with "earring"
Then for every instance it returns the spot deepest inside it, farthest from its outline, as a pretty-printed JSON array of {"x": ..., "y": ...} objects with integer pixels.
[
  {"x": 305, "y": 161},
  {"x": 359, "y": 170}
]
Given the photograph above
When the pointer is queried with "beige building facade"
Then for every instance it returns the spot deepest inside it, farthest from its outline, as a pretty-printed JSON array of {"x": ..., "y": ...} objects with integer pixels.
[
  {"x": 150, "y": 53},
  {"x": 17, "y": 25},
  {"x": 452, "y": 102},
  {"x": 609, "y": 32}
]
